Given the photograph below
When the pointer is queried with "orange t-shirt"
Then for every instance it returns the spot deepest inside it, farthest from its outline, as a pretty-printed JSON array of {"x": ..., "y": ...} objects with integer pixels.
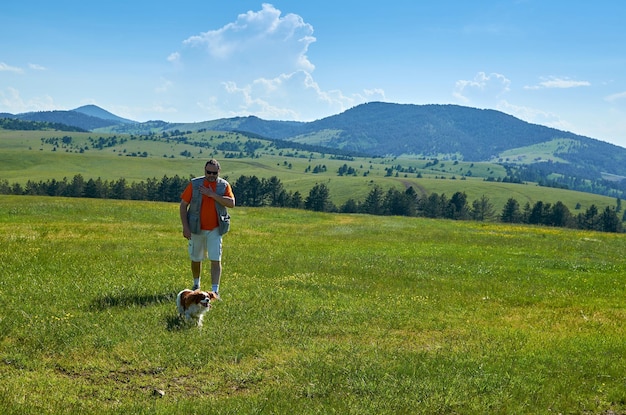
[{"x": 208, "y": 214}]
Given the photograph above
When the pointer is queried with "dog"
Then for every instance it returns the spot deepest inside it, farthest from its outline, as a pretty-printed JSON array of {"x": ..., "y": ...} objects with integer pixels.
[{"x": 192, "y": 305}]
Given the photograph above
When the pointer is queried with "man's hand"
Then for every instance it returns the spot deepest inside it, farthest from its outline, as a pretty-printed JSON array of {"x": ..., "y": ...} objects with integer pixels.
[
  {"x": 207, "y": 191},
  {"x": 222, "y": 200}
]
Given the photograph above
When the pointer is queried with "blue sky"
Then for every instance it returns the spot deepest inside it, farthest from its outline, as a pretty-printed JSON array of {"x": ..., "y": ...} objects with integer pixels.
[{"x": 555, "y": 63}]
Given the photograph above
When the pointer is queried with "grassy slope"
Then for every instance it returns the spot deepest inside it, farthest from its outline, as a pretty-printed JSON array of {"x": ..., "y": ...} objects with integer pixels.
[
  {"x": 23, "y": 157},
  {"x": 321, "y": 314},
  {"x": 544, "y": 151}
]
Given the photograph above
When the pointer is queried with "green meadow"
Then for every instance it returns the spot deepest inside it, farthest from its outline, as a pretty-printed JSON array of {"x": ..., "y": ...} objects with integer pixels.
[
  {"x": 537, "y": 152},
  {"x": 41, "y": 156},
  {"x": 321, "y": 314}
]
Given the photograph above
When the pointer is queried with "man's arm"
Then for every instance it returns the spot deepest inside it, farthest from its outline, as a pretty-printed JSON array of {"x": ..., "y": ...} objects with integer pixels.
[
  {"x": 184, "y": 220},
  {"x": 226, "y": 201}
]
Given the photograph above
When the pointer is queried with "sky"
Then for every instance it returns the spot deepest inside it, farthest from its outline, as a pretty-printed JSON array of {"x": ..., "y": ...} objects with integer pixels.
[{"x": 560, "y": 64}]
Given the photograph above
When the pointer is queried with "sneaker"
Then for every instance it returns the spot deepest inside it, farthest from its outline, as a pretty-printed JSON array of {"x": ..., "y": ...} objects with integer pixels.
[{"x": 195, "y": 287}]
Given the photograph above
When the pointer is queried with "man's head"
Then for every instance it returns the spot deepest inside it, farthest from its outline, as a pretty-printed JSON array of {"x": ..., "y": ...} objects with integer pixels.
[{"x": 211, "y": 170}]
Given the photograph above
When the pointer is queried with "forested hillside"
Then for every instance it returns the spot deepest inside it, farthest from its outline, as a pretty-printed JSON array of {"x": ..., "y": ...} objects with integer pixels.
[
  {"x": 442, "y": 131},
  {"x": 377, "y": 129},
  {"x": 17, "y": 124},
  {"x": 69, "y": 118}
]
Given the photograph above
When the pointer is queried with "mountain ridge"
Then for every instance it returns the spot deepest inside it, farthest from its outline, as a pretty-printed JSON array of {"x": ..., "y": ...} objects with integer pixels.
[
  {"x": 96, "y": 111},
  {"x": 388, "y": 129},
  {"x": 71, "y": 118}
]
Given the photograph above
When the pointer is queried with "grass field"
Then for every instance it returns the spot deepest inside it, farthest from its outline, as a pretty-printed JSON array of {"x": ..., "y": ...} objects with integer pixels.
[
  {"x": 543, "y": 151},
  {"x": 321, "y": 313},
  {"x": 24, "y": 156}
]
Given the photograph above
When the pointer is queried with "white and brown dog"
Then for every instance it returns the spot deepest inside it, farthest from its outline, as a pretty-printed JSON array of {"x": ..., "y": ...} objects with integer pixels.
[{"x": 193, "y": 304}]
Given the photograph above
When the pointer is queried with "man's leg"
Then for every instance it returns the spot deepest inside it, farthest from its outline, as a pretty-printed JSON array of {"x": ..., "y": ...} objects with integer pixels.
[
  {"x": 197, "y": 251},
  {"x": 214, "y": 245},
  {"x": 196, "y": 270},
  {"x": 216, "y": 274}
]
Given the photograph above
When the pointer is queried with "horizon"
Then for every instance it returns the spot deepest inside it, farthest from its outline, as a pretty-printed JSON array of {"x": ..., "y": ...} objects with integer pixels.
[{"x": 251, "y": 115}]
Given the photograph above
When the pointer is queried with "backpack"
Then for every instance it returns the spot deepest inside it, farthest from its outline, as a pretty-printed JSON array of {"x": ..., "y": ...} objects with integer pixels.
[{"x": 193, "y": 213}]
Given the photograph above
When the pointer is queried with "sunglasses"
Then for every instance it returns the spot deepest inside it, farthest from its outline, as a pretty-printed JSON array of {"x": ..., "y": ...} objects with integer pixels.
[{"x": 210, "y": 172}]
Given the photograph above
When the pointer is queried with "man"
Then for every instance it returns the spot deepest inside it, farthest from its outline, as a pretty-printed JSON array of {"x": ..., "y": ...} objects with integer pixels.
[{"x": 205, "y": 219}]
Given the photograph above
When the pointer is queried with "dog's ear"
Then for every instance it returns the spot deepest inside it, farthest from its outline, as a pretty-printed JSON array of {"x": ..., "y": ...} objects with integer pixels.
[{"x": 212, "y": 295}]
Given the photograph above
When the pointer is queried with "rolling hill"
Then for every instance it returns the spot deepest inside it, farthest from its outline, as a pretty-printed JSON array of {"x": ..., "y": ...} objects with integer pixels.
[
  {"x": 87, "y": 117},
  {"x": 443, "y": 131},
  {"x": 447, "y": 132}
]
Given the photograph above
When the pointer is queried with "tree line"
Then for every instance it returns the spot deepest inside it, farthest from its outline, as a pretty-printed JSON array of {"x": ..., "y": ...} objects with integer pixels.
[
  {"x": 166, "y": 189},
  {"x": 254, "y": 192},
  {"x": 17, "y": 124}
]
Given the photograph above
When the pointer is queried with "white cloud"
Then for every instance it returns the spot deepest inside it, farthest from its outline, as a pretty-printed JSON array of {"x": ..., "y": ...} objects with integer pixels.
[
  {"x": 295, "y": 96},
  {"x": 145, "y": 113},
  {"x": 535, "y": 116},
  {"x": 554, "y": 82},
  {"x": 164, "y": 86},
  {"x": 173, "y": 57},
  {"x": 6, "y": 68},
  {"x": 616, "y": 97},
  {"x": 482, "y": 89},
  {"x": 260, "y": 40},
  {"x": 257, "y": 65},
  {"x": 11, "y": 101},
  {"x": 375, "y": 94},
  {"x": 36, "y": 67}
]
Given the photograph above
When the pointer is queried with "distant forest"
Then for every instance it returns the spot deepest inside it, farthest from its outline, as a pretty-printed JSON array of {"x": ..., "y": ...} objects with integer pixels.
[
  {"x": 569, "y": 177},
  {"x": 16, "y": 124},
  {"x": 254, "y": 192}
]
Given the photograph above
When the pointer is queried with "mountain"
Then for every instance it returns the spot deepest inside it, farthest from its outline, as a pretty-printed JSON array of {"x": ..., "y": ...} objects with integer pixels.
[
  {"x": 387, "y": 129},
  {"x": 443, "y": 131},
  {"x": 95, "y": 111},
  {"x": 432, "y": 130},
  {"x": 88, "y": 117},
  {"x": 71, "y": 118}
]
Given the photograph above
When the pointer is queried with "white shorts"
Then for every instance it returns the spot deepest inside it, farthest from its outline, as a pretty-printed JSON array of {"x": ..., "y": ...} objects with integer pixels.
[{"x": 206, "y": 244}]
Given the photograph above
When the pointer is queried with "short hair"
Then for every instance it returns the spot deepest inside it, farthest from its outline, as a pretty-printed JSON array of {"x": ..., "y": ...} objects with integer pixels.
[{"x": 213, "y": 162}]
